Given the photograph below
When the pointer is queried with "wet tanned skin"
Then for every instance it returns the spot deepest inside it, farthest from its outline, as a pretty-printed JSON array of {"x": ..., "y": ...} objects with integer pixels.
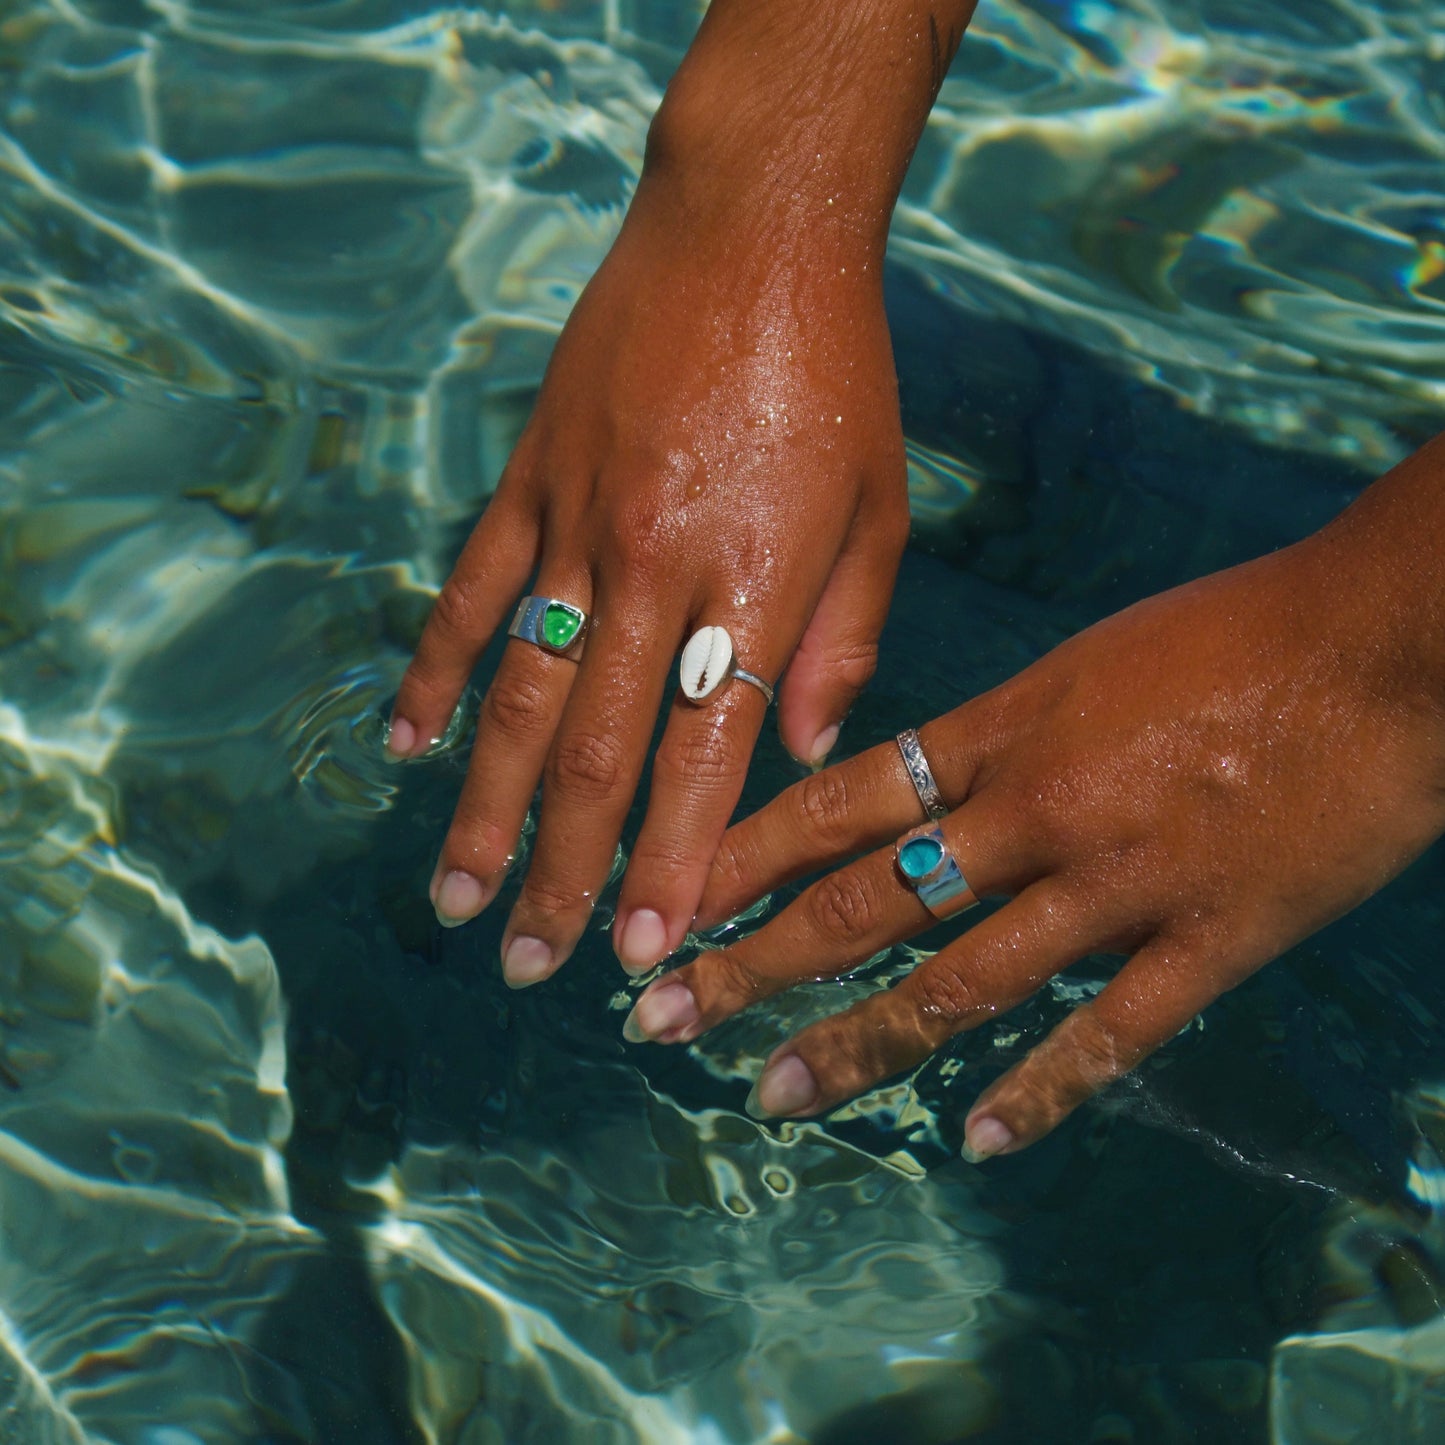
[
  {"x": 717, "y": 442},
  {"x": 1197, "y": 783}
]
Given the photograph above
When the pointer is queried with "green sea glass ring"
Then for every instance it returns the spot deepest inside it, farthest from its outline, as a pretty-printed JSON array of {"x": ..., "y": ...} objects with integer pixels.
[
  {"x": 927, "y": 865},
  {"x": 551, "y": 624}
]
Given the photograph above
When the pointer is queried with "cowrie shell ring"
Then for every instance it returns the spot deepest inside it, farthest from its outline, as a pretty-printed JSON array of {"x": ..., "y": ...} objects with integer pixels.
[{"x": 708, "y": 661}]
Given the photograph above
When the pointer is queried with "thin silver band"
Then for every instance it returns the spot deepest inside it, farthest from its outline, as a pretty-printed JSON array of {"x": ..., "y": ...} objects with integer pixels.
[
  {"x": 921, "y": 775},
  {"x": 766, "y": 688}
]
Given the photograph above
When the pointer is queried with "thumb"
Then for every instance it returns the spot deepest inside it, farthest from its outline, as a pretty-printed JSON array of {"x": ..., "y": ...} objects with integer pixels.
[{"x": 839, "y": 650}]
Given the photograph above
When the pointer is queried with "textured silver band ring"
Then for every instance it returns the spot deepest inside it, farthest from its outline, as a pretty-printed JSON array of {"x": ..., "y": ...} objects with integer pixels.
[
  {"x": 708, "y": 661},
  {"x": 551, "y": 624},
  {"x": 920, "y": 774},
  {"x": 929, "y": 868}
]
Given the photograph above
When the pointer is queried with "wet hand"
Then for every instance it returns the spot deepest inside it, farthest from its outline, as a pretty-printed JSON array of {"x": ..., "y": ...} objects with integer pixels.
[
  {"x": 1196, "y": 783},
  {"x": 716, "y": 443}
]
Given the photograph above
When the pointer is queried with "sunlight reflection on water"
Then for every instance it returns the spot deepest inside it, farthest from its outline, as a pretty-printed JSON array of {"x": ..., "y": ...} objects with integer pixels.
[{"x": 276, "y": 287}]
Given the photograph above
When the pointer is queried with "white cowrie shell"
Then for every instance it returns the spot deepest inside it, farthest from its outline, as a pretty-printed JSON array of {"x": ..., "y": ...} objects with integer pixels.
[{"x": 706, "y": 662}]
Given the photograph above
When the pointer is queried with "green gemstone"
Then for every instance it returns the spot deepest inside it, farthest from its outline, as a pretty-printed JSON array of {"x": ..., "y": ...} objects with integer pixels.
[
  {"x": 919, "y": 857},
  {"x": 560, "y": 625}
]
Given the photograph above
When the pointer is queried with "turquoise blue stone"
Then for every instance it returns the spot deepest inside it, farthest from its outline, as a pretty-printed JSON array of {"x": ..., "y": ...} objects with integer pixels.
[{"x": 919, "y": 857}]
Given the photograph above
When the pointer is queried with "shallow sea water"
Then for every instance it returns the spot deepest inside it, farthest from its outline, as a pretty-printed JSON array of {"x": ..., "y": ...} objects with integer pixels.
[{"x": 282, "y": 1161}]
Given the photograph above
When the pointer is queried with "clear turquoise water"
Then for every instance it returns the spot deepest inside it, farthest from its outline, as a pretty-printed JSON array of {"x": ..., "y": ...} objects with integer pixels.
[{"x": 281, "y": 1161}]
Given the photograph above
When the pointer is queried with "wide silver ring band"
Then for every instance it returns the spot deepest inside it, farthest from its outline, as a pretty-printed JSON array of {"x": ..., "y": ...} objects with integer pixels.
[
  {"x": 530, "y": 623},
  {"x": 920, "y": 774},
  {"x": 926, "y": 864}
]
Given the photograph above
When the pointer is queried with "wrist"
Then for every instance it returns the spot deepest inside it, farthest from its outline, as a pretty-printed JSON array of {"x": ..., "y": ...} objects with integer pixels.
[
  {"x": 1382, "y": 565},
  {"x": 794, "y": 123}
]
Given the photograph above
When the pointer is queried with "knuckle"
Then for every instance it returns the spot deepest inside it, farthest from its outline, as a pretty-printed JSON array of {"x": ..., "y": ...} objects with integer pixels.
[
  {"x": 588, "y": 767},
  {"x": 479, "y": 845},
  {"x": 637, "y": 536},
  {"x": 1070, "y": 1066},
  {"x": 1093, "y": 1055},
  {"x": 732, "y": 867},
  {"x": 734, "y": 978},
  {"x": 518, "y": 705},
  {"x": 702, "y": 759},
  {"x": 854, "y": 1049},
  {"x": 854, "y": 664},
  {"x": 455, "y": 610},
  {"x": 668, "y": 863},
  {"x": 824, "y": 800},
  {"x": 844, "y": 908},
  {"x": 550, "y": 898},
  {"x": 945, "y": 994}
]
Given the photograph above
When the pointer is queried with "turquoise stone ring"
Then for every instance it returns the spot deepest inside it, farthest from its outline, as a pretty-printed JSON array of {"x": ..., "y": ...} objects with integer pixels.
[{"x": 930, "y": 869}]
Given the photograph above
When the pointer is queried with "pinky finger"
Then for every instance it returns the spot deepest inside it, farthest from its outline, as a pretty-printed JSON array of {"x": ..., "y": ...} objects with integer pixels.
[{"x": 1150, "y": 1000}]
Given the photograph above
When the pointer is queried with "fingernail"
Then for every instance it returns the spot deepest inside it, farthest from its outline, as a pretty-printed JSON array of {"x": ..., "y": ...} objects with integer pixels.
[
  {"x": 983, "y": 1138},
  {"x": 643, "y": 942},
  {"x": 458, "y": 898},
  {"x": 662, "y": 1008},
  {"x": 526, "y": 961},
  {"x": 785, "y": 1087},
  {"x": 823, "y": 745},
  {"x": 400, "y": 737}
]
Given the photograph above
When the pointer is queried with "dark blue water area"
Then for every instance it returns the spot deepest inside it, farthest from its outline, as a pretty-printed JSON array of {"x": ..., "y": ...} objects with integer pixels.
[{"x": 1161, "y": 1241}]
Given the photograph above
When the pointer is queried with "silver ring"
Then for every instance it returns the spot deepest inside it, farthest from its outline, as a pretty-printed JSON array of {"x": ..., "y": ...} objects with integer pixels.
[
  {"x": 920, "y": 774},
  {"x": 708, "y": 661},
  {"x": 551, "y": 624},
  {"x": 928, "y": 867},
  {"x": 766, "y": 688}
]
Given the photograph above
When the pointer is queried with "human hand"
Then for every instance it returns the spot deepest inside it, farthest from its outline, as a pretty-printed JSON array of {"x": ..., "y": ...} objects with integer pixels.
[
  {"x": 1198, "y": 783},
  {"x": 717, "y": 441}
]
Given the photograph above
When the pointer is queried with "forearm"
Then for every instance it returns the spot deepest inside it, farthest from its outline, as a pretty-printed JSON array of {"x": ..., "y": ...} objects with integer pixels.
[{"x": 791, "y": 123}]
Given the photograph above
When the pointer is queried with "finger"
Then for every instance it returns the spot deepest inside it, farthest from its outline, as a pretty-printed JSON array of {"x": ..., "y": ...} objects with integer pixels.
[
  {"x": 839, "y": 649},
  {"x": 591, "y": 776},
  {"x": 997, "y": 964},
  {"x": 841, "y": 921},
  {"x": 1150, "y": 1000},
  {"x": 697, "y": 778},
  {"x": 516, "y": 723},
  {"x": 833, "y": 815},
  {"x": 493, "y": 568}
]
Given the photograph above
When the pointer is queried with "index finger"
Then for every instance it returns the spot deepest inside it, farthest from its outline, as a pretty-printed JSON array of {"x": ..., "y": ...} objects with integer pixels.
[{"x": 499, "y": 556}]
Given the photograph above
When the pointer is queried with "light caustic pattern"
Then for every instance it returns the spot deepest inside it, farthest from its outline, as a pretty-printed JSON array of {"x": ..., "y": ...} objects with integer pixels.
[
  {"x": 275, "y": 288},
  {"x": 277, "y": 283}
]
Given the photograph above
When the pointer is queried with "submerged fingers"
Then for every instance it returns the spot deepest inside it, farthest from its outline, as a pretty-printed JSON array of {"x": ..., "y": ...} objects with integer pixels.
[{"x": 839, "y": 922}]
